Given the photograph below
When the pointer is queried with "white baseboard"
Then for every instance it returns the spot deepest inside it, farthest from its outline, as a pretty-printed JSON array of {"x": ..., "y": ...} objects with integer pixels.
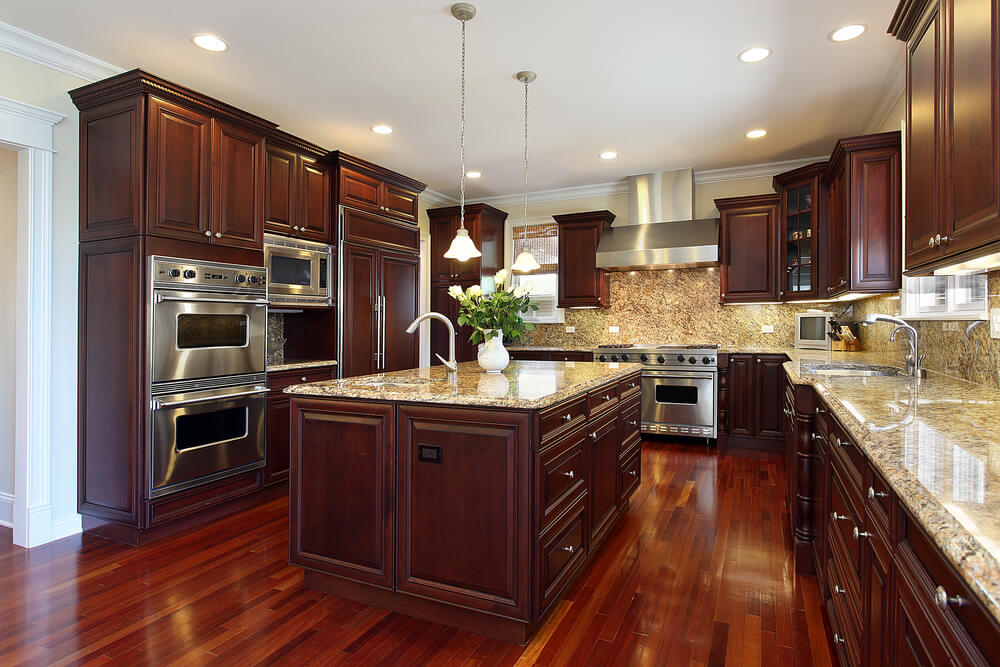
[
  {"x": 6, "y": 510},
  {"x": 66, "y": 526}
]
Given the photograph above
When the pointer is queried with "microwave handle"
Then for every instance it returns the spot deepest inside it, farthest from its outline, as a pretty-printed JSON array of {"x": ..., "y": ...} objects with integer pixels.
[
  {"x": 253, "y": 302},
  {"x": 158, "y": 404}
]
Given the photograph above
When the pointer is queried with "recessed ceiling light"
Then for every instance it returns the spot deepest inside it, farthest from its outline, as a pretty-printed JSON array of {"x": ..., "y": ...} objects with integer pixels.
[
  {"x": 754, "y": 54},
  {"x": 474, "y": 174},
  {"x": 756, "y": 134},
  {"x": 609, "y": 155},
  {"x": 210, "y": 42},
  {"x": 847, "y": 33},
  {"x": 382, "y": 129}
]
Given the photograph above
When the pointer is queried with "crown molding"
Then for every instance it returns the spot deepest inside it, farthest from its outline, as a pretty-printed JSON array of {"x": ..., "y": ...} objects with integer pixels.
[
  {"x": 437, "y": 198},
  {"x": 30, "y": 46},
  {"x": 29, "y": 111},
  {"x": 753, "y": 170}
]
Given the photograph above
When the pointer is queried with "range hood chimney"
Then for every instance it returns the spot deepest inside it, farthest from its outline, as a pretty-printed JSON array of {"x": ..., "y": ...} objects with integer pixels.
[{"x": 660, "y": 232}]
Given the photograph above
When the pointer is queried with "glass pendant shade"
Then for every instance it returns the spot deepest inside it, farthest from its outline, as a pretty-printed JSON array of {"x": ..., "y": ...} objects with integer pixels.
[
  {"x": 526, "y": 262},
  {"x": 462, "y": 248}
]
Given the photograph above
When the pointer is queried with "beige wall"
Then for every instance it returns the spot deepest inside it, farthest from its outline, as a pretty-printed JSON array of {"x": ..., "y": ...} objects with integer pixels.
[
  {"x": 31, "y": 83},
  {"x": 8, "y": 298}
]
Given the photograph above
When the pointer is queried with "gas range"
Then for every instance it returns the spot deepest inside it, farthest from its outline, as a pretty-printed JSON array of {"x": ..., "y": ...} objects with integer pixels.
[{"x": 661, "y": 356}]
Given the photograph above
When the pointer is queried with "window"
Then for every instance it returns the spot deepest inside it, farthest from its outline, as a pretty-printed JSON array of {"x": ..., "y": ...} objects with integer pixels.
[
  {"x": 542, "y": 239},
  {"x": 945, "y": 297}
]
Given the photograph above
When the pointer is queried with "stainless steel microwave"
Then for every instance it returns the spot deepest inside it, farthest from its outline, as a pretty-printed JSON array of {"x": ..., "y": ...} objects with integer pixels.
[
  {"x": 811, "y": 329},
  {"x": 298, "y": 272}
]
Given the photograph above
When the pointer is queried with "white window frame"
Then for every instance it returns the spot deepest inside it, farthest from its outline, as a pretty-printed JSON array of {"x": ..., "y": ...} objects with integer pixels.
[
  {"x": 559, "y": 317},
  {"x": 948, "y": 311}
]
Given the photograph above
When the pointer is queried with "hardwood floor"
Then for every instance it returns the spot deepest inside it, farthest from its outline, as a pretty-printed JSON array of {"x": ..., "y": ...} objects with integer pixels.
[{"x": 699, "y": 573}]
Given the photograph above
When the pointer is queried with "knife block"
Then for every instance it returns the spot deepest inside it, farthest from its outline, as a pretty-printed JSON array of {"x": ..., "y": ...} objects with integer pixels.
[{"x": 847, "y": 346}]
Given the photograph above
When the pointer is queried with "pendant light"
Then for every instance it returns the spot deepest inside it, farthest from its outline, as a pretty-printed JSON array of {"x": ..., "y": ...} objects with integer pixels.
[
  {"x": 525, "y": 262},
  {"x": 462, "y": 248}
]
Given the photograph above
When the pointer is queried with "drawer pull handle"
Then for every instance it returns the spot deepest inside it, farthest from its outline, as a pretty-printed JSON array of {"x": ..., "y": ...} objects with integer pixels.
[
  {"x": 814, "y": 436},
  {"x": 593, "y": 436},
  {"x": 567, "y": 417},
  {"x": 568, "y": 549},
  {"x": 858, "y": 534},
  {"x": 840, "y": 443},
  {"x": 633, "y": 423},
  {"x": 820, "y": 411},
  {"x": 838, "y": 590},
  {"x": 837, "y": 639},
  {"x": 839, "y": 517},
  {"x": 943, "y": 600},
  {"x": 634, "y": 473},
  {"x": 873, "y": 494},
  {"x": 571, "y": 474},
  {"x": 305, "y": 379},
  {"x": 607, "y": 397}
]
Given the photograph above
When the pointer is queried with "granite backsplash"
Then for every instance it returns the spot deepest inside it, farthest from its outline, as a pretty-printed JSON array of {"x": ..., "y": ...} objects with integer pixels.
[{"x": 275, "y": 339}]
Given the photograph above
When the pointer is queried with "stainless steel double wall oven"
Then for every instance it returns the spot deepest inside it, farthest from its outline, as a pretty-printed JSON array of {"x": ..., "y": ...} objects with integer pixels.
[{"x": 207, "y": 374}]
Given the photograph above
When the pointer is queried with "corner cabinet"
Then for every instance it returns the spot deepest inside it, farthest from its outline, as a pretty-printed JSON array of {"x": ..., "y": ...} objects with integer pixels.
[
  {"x": 749, "y": 248},
  {"x": 581, "y": 283},
  {"x": 952, "y": 129},
  {"x": 864, "y": 226},
  {"x": 800, "y": 231}
]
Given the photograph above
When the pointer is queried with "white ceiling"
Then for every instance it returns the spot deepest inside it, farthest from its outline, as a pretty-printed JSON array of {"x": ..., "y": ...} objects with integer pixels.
[{"x": 656, "y": 80}]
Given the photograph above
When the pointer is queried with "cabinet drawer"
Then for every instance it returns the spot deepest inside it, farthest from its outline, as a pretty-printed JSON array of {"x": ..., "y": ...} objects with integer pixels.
[
  {"x": 846, "y": 628},
  {"x": 563, "y": 418},
  {"x": 631, "y": 416},
  {"x": 631, "y": 476},
  {"x": 878, "y": 498},
  {"x": 629, "y": 388},
  {"x": 602, "y": 399},
  {"x": 629, "y": 448},
  {"x": 563, "y": 552},
  {"x": 281, "y": 379},
  {"x": 844, "y": 519},
  {"x": 853, "y": 462},
  {"x": 562, "y": 475}
]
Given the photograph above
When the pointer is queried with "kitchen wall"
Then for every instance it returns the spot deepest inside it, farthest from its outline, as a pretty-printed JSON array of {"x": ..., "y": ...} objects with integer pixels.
[{"x": 8, "y": 276}]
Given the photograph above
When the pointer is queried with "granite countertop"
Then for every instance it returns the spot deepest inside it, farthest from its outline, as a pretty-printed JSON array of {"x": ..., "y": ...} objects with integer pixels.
[
  {"x": 936, "y": 442},
  {"x": 548, "y": 348},
  {"x": 526, "y": 385},
  {"x": 295, "y": 365}
]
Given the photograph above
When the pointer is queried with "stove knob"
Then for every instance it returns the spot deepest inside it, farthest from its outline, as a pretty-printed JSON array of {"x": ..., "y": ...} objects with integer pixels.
[
  {"x": 662, "y": 359},
  {"x": 602, "y": 358},
  {"x": 614, "y": 357},
  {"x": 706, "y": 360},
  {"x": 680, "y": 358},
  {"x": 240, "y": 278},
  {"x": 644, "y": 357},
  {"x": 188, "y": 273},
  {"x": 174, "y": 273},
  {"x": 623, "y": 357},
  {"x": 254, "y": 280},
  {"x": 692, "y": 360}
]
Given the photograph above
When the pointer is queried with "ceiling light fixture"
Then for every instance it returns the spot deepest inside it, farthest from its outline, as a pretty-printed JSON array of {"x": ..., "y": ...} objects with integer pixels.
[
  {"x": 382, "y": 129},
  {"x": 756, "y": 134},
  {"x": 847, "y": 33},
  {"x": 210, "y": 42},
  {"x": 754, "y": 54},
  {"x": 462, "y": 247},
  {"x": 525, "y": 261},
  {"x": 474, "y": 174},
  {"x": 609, "y": 155}
]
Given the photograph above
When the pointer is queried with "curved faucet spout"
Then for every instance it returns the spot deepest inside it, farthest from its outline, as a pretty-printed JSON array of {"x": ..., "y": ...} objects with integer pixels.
[
  {"x": 451, "y": 363},
  {"x": 914, "y": 360}
]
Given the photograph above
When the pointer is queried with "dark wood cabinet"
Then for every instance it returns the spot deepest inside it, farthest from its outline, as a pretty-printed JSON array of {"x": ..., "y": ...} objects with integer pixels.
[
  {"x": 297, "y": 189},
  {"x": 801, "y": 230},
  {"x": 399, "y": 276},
  {"x": 581, "y": 283},
  {"x": 603, "y": 475},
  {"x": 770, "y": 391},
  {"x": 368, "y": 187},
  {"x": 280, "y": 195},
  {"x": 741, "y": 386},
  {"x": 755, "y": 390},
  {"x": 278, "y": 416},
  {"x": 864, "y": 224},
  {"x": 953, "y": 130},
  {"x": 443, "y": 303},
  {"x": 237, "y": 186},
  {"x": 749, "y": 249}
]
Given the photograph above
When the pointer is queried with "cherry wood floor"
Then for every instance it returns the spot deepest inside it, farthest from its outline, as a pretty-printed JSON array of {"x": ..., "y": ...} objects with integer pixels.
[{"x": 699, "y": 573}]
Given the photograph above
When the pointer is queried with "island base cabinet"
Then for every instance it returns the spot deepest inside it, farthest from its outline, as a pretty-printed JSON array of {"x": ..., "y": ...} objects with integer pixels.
[{"x": 342, "y": 474}]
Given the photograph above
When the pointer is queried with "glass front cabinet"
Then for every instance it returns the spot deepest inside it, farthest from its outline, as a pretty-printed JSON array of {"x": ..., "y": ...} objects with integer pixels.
[{"x": 800, "y": 226}]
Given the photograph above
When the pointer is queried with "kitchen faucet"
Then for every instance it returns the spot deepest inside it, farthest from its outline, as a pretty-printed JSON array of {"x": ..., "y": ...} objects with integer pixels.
[
  {"x": 451, "y": 364},
  {"x": 914, "y": 360}
]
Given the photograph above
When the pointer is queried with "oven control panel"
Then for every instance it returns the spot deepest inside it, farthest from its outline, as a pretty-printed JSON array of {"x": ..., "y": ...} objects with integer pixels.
[{"x": 171, "y": 272}]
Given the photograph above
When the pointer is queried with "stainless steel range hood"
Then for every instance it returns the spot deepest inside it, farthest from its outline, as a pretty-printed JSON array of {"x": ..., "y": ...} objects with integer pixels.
[{"x": 660, "y": 232}]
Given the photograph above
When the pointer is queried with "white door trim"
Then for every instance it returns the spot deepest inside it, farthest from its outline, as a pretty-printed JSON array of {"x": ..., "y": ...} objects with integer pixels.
[{"x": 28, "y": 129}]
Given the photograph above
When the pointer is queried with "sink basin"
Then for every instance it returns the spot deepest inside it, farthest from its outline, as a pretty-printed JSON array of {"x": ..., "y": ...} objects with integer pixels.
[{"x": 854, "y": 370}]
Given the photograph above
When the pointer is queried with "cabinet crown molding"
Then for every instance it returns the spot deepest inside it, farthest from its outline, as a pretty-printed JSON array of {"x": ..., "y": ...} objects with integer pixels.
[
  {"x": 814, "y": 170},
  {"x": 907, "y": 18},
  {"x": 375, "y": 171},
  {"x": 470, "y": 209},
  {"x": 587, "y": 216},
  {"x": 865, "y": 142},
  {"x": 771, "y": 199}
]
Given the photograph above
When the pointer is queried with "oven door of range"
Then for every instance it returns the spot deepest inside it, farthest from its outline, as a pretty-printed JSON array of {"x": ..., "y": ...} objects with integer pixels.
[
  {"x": 680, "y": 398},
  {"x": 201, "y": 436},
  {"x": 204, "y": 334}
]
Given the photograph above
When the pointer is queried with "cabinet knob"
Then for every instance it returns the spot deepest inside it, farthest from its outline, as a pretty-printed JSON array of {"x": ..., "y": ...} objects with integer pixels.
[
  {"x": 593, "y": 436},
  {"x": 304, "y": 378},
  {"x": 296, "y": 228},
  {"x": 840, "y": 443},
  {"x": 569, "y": 474},
  {"x": 633, "y": 423},
  {"x": 858, "y": 534},
  {"x": 218, "y": 235},
  {"x": 930, "y": 242},
  {"x": 567, "y": 417},
  {"x": 634, "y": 473},
  {"x": 208, "y": 233},
  {"x": 819, "y": 411},
  {"x": 873, "y": 494},
  {"x": 838, "y": 590},
  {"x": 938, "y": 240},
  {"x": 837, "y": 639},
  {"x": 943, "y": 600},
  {"x": 839, "y": 517},
  {"x": 607, "y": 397}
]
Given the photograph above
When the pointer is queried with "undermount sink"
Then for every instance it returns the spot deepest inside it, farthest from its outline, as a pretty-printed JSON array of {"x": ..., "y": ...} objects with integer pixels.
[{"x": 857, "y": 370}]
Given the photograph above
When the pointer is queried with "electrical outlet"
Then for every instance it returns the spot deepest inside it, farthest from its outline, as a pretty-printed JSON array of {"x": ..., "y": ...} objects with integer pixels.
[
  {"x": 570, "y": 329},
  {"x": 951, "y": 326},
  {"x": 613, "y": 329},
  {"x": 995, "y": 323},
  {"x": 767, "y": 328}
]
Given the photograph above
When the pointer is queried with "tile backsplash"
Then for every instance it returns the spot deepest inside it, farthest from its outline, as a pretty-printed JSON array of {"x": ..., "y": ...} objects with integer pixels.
[{"x": 275, "y": 339}]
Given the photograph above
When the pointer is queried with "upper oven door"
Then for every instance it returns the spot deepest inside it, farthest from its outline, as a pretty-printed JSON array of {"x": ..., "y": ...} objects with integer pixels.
[
  {"x": 296, "y": 272},
  {"x": 203, "y": 335},
  {"x": 679, "y": 397}
]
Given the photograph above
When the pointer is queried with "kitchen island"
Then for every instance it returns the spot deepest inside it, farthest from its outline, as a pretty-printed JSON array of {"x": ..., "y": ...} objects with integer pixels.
[{"x": 472, "y": 500}]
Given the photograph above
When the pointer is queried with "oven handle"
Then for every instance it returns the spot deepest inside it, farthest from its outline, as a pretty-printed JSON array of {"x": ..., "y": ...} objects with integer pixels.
[
  {"x": 678, "y": 374},
  {"x": 158, "y": 404},
  {"x": 253, "y": 302}
]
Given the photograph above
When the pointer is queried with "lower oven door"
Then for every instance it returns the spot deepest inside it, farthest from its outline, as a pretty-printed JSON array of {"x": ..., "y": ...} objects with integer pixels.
[
  {"x": 681, "y": 402},
  {"x": 201, "y": 436}
]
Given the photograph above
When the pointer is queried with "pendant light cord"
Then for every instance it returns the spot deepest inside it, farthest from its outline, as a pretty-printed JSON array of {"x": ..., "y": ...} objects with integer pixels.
[
  {"x": 462, "y": 139},
  {"x": 524, "y": 237}
]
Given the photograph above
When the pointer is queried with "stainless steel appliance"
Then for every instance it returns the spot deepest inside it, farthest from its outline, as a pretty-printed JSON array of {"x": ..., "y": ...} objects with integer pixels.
[
  {"x": 298, "y": 271},
  {"x": 207, "y": 381},
  {"x": 812, "y": 330},
  {"x": 679, "y": 386}
]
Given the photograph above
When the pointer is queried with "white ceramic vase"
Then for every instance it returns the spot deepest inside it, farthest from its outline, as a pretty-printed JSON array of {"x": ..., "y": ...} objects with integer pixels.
[{"x": 493, "y": 356}]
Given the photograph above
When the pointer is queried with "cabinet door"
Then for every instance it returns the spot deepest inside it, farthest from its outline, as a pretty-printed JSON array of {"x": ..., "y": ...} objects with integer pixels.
[
  {"x": 237, "y": 187},
  {"x": 442, "y": 302},
  {"x": 603, "y": 468},
  {"x": 750, "y": 248},
  {"x": 915, "y": 640},
  {"x": 442, "y": 231},
  {"x": 359, "y": 190},
  {"x": 581, "y": 283},
  {"x": 769, "y": 391},
  {"x": 399, "y": 276},
  {"x": 470, "y": 270},
  {"x": 924, "y": 91},
  {"x": 972, "y": 158},
  {"x": 314, "y": 218},
  {"x": 278, "y": 412},
  {"x": 360, "y": 290},
  {"x": 178, "y": 172},
  {"x": 741, "y": 394},
  {"x": 344, "y": 529},
  {"x": 837, "y": 235},
  {"x": 399, "y": 202},
  {"x": 876, "y": 599},
  {"x": 875, "y": 221},
  {"x": 462, "y": 507},
  {"x": 279, "y": 190}
]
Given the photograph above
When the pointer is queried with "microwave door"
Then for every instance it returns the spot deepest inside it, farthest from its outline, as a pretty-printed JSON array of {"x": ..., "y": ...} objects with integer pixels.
[{"x": 293, "y": 272}]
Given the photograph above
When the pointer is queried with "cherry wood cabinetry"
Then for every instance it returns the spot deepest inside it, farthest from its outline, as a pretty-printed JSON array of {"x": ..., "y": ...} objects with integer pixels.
[
  {"x": 863, "y": 179},
  {"x": 297, "y": 189},
  {"x": 581, "y": 283},
  {"x": 368, "y": 187},
  {"x": 953, "y": 129},
  {"x": 749, "y": 248},
  {"x": 476, "y": 517},
  {"x": 754, "y": 401},
  {"x": 801, "y": 228},
  {"x": 278, "y": 413}
]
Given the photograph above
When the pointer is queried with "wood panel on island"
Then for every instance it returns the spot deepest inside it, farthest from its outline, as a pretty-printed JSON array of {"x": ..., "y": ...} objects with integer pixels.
[
  {"x": 474, "y": 516},
  {"x": 750, "y": 406},
  {"x": 581, "y": 283}
]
